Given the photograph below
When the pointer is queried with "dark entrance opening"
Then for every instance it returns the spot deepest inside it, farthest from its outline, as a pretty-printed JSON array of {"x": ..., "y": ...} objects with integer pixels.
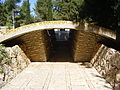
[{"x": 61, "y": 45}]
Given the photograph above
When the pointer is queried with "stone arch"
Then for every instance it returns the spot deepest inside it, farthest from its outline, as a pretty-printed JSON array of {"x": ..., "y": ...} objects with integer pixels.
[
  {"x": 13, "y": 33},
  {"x": 87, "y": 38}
]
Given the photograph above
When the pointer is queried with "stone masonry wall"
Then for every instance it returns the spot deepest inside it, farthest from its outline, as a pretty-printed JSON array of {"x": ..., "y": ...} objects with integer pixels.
[
  {"x": 85, "y": 45},
  {"x": 18, "y": 62},
  {"x": 107, "y": 63},
  {"x": 35, "y": 45}
]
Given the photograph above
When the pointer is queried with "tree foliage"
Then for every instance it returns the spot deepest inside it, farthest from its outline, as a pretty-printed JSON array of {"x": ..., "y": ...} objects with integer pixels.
[
  {"x": 21, "y": 13},
  {"x": 4, "y": 57},
  {"x": 43, "y": 10},
  {"x": 2, "y": 14},
  {"x": 25, "y": 13},
  {"x": 49, "y": 16},
  {"x": 6, "y": 12},
  {"x": 67, "y": 9},
  {"x": 100, "y": 12},
  {"x": 104, "y": 13}
]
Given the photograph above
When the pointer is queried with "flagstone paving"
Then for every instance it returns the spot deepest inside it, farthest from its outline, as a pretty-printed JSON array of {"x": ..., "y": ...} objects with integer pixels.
[{"x": 58, "y": 76}]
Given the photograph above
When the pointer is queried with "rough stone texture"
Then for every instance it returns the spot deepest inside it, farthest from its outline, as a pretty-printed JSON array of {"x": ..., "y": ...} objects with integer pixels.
[
  {"x": 107, "y": 63},
  {"x": 85, "y": 45},
  {"x": 18, "y": 62},
  {"x": 36, "y": 45}
]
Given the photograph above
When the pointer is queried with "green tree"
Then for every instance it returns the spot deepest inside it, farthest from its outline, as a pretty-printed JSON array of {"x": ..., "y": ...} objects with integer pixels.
[
  {"x": 41, "y": 10},
  {"x": 58, "y": 9},
  {"x": 50, "y": 15},
  {"x": 44, "y": 10},
  {"x": 4, "y": 57},
  {"x": 66, "y": 9},
  {"x": 9, "y": 5},
  {"x": 25, "y": 13},
  {"x": 2, "y": 14},
  {"x": 100, "y": 12}
]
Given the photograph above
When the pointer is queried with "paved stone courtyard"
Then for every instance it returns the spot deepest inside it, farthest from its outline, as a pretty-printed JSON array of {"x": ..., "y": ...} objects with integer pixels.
[{"x": 58, "y": 76}]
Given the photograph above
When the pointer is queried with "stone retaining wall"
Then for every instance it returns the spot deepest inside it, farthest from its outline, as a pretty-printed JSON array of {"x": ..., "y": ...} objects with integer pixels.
[
  {"x": 107, "y": 63},
  {"x": 18, "y": 62},
  {"x": 36, "y": 45},
  {"x": 85, "y": 45}
]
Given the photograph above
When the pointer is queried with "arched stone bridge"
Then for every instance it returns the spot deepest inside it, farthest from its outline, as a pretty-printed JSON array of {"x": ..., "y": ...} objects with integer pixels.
[{"x": 36, "y": 43}]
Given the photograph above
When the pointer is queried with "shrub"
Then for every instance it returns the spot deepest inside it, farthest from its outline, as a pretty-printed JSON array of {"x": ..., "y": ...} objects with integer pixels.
[{"x": 4, "y": 58}]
